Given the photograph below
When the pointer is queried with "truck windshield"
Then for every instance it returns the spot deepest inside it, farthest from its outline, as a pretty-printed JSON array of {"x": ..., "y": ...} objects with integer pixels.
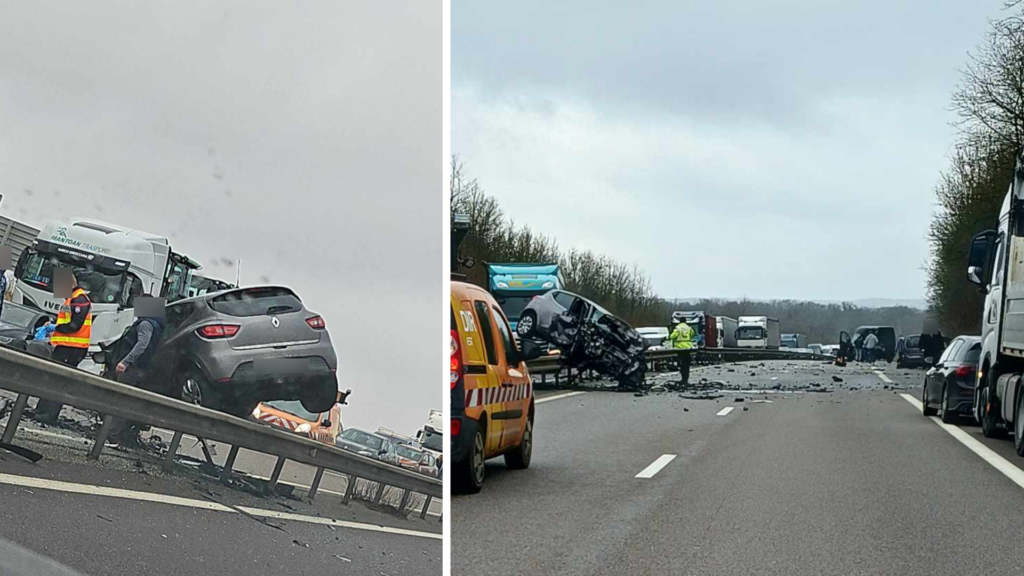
[
  {"x": 101, "y": 285},
  {"x": 750, "y": 333},
  {"x": 513, "y": 306},
  {"x": 432, "y": 440}
]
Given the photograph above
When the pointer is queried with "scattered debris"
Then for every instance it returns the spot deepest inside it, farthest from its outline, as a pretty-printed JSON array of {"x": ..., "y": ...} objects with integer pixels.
[
  {"x": 342, "y": 558},
  {"x": 836, "y": 378},
  {"x": 300, "y": 543},
  {"x": 745, "y": 408},
  {"x": 102, "y": 517},
  {"x": 738, "y": 399}
]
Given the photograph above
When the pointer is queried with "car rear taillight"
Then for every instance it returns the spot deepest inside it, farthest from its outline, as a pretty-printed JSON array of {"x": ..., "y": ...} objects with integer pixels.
[
  {"x": 456, "y": 426},
  {"x": 965, "y": 371},
  {"x": 316, "y": 322},
  {"x": 218, "y": 331},
  {"x": 456, "y": 360}
]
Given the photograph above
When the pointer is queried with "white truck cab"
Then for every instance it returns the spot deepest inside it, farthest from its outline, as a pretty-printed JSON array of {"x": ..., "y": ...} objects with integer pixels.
[
  {"x": 996, "y": 265},
  {"x": 114, "y": 264},
  {"x": 432, "y": 435},
  {"x": 757, "y": 332}
]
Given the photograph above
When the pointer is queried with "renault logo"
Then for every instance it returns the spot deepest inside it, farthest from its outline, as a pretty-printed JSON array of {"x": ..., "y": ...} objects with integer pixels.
[{"x": 275, "y": 321}]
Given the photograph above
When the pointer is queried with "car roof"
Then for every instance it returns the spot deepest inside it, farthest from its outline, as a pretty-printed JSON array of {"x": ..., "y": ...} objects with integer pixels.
[{"x": 467, "y": 291}]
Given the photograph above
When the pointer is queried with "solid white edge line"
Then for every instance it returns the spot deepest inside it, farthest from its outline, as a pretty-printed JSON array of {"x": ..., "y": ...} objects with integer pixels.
[
  {"x": 987, "y": 454},
  {"x": 556, "y": 397},
  {"x": 725, "y": 411},
  {"x": 656, "y": 466},
  {"x": 70, "y": 487}
]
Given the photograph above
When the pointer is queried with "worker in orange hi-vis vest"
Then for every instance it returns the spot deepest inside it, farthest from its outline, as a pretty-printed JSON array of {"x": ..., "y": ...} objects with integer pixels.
[{"x": 70, "y": 339}]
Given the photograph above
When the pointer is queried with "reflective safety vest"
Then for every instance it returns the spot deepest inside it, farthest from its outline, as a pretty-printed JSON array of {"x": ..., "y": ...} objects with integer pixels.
[
  {"x": 683, "y": 337},
  {"x": 78, "y": 339}
]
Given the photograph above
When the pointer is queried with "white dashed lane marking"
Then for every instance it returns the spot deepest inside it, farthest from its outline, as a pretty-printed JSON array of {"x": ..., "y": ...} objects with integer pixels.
[
  {"x": 656, "y": 466},
  {"x": 725, "y": 411}
]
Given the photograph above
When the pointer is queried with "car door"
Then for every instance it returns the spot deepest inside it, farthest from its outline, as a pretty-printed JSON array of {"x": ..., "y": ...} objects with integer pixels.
[
  {"x": 514, "y": 383},
  {"x": 488, "y": 388},
  {"x": 937, "y": 374}
]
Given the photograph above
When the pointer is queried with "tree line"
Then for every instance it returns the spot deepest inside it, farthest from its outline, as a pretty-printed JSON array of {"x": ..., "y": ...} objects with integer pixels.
[
  {"x": 624, "y": 289},
  {"x": 989, "y": 107}
]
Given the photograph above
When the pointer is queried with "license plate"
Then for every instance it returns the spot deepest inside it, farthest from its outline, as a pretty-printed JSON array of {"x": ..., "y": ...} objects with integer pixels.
[{"x": 280, "y": 366}]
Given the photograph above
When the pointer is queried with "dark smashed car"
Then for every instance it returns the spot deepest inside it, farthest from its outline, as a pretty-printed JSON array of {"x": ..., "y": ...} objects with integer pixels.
[{"x": 588, "y": 336}]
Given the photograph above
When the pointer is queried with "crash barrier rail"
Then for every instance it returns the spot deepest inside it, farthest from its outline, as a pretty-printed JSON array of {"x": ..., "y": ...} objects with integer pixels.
[
  {"x": 33, "y": 376},
  {"x": 552, "y": 364}
]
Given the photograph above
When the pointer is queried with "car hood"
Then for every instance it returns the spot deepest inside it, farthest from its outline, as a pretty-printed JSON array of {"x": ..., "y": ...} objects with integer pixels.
[{"x": 351, "y": 446}]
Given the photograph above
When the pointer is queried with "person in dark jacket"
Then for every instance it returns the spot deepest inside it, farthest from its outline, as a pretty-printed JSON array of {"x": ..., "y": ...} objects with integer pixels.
[
  {"x": 134, "y": 352},
  {"x": 70, "y": 341}
]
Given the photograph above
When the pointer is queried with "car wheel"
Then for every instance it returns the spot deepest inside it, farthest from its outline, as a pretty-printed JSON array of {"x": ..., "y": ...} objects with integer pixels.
[
  {"x": 1018, "y": 427},
  {"x": 194, "y": 389},
  {"x": 989, "y": 414},
  {"x": 948, "y": 416},
  {"x": 320, "y": 399},
  {"x": 925, "y": 409},
  {"x": 469, "y": 474},
  {"x": 519, "y": 458},
  {"x": 526, "y": 325}
]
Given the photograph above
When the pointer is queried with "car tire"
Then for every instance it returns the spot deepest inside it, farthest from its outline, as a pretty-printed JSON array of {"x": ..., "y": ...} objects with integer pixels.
[
  {"x": 469, "y": 474},
  {"x": 321, "y": 399},
  {"x": 989, "y": 417},
  {"x": 527, "y": 324},
  {"x": 1018, "y": 427},
  {"x": 925, "y": 409},
  {"x": 193, "y": 388},
  {"x": 948, "y": 416},
  {"x": 519, "y": 459}
]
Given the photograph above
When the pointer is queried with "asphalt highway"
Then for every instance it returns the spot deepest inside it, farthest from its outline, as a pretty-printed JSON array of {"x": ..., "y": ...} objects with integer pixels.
[{"x": 813, "y": 476}]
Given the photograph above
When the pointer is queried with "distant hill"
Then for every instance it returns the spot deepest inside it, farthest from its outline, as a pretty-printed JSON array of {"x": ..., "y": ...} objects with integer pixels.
[{"x": 916, "y": 303}]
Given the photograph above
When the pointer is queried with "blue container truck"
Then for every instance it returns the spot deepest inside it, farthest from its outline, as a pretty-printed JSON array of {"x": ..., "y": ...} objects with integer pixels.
[{"x": 515, "y": 284}]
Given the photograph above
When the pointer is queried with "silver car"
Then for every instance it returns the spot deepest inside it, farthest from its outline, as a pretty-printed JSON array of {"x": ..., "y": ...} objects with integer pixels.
[
  {"x": 232, "y": 349},
  {"x": 367, "y": 444}
]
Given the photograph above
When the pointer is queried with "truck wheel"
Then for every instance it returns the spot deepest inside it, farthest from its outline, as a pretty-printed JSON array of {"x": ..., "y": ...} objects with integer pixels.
[
  {"x": 469, "y": 474},
  {"x": 1018, "y": 428},
  {"x": 989, "y": 414},
  {"x": 925, "y": 409},
  {"x": 948, "y": 416},
  {"x": 519, "y": 458}
]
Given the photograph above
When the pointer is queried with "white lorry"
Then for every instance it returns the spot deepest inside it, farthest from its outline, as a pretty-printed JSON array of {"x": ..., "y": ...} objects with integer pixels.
[
  {"x": 431, "y": 437},
  {"x": 758, "y": 332},
  {"x": 114, "y": 264}
]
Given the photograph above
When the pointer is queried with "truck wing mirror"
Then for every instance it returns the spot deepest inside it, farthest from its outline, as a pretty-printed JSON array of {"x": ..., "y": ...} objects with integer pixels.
[{"x": 979, "y": 260}]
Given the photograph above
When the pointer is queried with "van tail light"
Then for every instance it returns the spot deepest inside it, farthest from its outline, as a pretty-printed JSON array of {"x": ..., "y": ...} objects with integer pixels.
[
  {"x": 964, "y": 371},
  {"x": 218, "y": 331},
  {"x": 456, "y": 361},
  {"x": 316, "y": 322},
  {"x": 456, "y": 426}
]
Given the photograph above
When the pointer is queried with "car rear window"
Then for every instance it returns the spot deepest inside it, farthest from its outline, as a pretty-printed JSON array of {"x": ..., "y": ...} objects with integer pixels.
[
  {"x": 973, "y": 353},
  {"x": 257, "y": 302}
]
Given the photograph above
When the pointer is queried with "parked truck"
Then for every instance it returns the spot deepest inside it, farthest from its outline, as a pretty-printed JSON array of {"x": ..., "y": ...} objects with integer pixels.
[
  {"x": 113, "y": 263},
  {"x": 758, "y": 332},
  {"x": 514, "y": 284},
  {"x": 996, "y": 265},
  {"x": 726, "y": 331},
  {"x": 431, "y": 435},
  {"x": 703, "y": 324}
]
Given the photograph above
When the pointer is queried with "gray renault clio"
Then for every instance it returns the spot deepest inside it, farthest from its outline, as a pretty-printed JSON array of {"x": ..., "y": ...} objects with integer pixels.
[{"x": 232, "y": 349}]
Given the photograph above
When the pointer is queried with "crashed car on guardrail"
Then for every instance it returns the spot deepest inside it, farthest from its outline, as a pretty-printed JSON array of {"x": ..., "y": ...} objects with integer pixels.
[{"x": 587, "y": 335}]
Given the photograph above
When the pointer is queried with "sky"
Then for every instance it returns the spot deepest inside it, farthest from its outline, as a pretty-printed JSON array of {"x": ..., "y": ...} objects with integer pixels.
[
  {"x": 784, "y": 149},
  {"x": 302, "y": 138}
]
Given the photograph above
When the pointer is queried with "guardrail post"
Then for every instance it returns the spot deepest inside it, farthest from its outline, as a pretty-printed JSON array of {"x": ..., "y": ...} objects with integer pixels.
[
  {"x": 276, "y": 474},
  {"x": 225, "y": 474},
  {"x": 426, "y": 504},
  {"x": 315, "y": 486},
  {"x": 380, "y": 493},
  {"x": 172, "y": 451},
  {"x": 349, "y": 488},
  {"x": 15, "y": 418},
  {"x": 405, "y": 500},
  {"x": 101, "y": 436}
]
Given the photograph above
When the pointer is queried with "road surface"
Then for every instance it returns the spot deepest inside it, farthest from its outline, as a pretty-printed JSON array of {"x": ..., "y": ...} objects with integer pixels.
[{"x": 852, "y": 481}]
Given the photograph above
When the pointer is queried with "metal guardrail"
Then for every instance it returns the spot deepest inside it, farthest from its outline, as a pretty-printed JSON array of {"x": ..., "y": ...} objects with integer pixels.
[
  {"x": 552, "y": 364},
  {"x": 32, "y": 376}
]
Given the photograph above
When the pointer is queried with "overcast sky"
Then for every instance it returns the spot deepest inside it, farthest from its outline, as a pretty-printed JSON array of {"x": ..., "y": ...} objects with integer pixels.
[
  {"x": 781, "y": 149},
  {"x": 303, "y": 138}
]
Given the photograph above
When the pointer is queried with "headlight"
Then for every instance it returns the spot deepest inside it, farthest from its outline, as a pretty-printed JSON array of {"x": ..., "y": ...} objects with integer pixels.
[
  {"x": 6, "y": 340},
  {"x": 549, "y": 285},
  {"x": 256, "y": 412},
  {"x": 303, "y": 428},
  {"x": 366, "y": 453},
  {"x": 501, "y": 284}
]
